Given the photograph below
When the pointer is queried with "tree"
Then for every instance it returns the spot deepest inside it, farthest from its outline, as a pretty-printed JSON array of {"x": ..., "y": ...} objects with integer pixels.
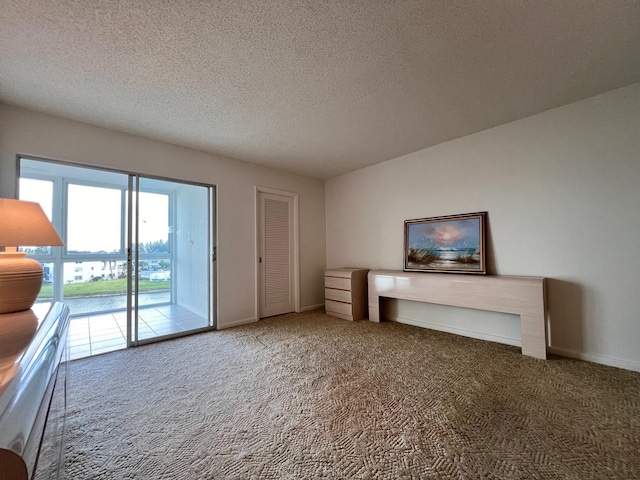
[{"x": 158, "y": 246}]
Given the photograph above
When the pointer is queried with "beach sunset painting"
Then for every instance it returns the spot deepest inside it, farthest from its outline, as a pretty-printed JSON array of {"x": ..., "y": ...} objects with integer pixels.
[{"x": 446, "y": 244}]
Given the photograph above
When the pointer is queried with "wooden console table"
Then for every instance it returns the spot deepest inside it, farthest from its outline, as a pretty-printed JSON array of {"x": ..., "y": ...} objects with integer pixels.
[{"x": 524, "y": 296}]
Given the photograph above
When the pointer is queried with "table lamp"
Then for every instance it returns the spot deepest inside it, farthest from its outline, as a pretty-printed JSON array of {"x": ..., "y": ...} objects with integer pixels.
[{"x": 22, "y": 224}]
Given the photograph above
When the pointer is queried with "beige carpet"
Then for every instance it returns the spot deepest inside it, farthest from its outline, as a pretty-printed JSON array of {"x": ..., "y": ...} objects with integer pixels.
[{"x": 310, "y": 396}]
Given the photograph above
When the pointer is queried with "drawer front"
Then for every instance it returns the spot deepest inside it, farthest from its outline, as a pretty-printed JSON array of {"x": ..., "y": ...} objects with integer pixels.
[
  {"x": 339, "y": 307},
  {"x": 339, "y": 283},
  {"x": 339, "y": 273},
  {"x": 338, "y": 295},
  {"x": 340, "y": 315}
]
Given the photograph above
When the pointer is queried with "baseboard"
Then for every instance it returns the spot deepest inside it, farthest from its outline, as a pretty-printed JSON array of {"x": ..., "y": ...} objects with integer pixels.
[
  {"x": 245, "y": 321},
  {"x": 236, "y": 323},
  {"x": 312, "y": 307},
  {"x": 515, "y": 342},
  {"x": 590, "y": 357}
]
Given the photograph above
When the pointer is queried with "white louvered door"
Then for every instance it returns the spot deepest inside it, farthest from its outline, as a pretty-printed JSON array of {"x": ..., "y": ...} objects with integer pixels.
[{"x": 276, "y": 255}]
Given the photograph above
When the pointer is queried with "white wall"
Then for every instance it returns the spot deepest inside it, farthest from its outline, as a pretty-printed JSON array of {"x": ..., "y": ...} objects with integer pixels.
[
  {"x": 562, "y": 190},
  {"x": 30, "y": 133}
]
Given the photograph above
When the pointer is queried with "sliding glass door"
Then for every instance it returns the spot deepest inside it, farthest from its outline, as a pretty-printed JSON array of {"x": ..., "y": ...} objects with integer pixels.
[
  {"x": 171, "y": 273},
  {"x": 139, "y": 251}
]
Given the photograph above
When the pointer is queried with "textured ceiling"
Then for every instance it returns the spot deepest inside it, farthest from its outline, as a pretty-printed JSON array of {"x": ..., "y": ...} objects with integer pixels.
[{"x": 314, "y": 87}]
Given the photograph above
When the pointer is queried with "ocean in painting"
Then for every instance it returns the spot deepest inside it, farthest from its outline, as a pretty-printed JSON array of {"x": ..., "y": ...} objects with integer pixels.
[
  {"x": 447, "y": 254},
  {"x": 458, "y": 258}
]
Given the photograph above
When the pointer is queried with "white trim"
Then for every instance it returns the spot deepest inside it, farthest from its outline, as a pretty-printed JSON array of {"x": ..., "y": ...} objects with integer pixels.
[
  {"x": 296, "y": 245},
  {"x": 590, "y": 357},
  {"x": 458, "y": 331},
  {"x": 312, "y": 307},
  {"x": 237, "y": 323},
  {"x": 214, "y": 265},
  {"x": 256, "y": 272}
]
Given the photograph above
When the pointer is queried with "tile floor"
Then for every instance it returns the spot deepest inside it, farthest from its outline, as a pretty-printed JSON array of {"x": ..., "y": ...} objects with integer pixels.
[{"x": 106, "y": 332}]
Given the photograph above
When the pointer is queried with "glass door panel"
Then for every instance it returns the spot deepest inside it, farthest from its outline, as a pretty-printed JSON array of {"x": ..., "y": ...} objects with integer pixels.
[
  {"x": 138, "y": 256},
  {"x": 94, "y": 265},
  {"x": 171, "y": 259},
  {"x": 154, "y": 252}
]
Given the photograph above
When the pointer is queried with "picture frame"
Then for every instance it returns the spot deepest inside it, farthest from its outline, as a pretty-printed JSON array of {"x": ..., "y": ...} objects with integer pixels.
[{"x": 447, "y": 244}]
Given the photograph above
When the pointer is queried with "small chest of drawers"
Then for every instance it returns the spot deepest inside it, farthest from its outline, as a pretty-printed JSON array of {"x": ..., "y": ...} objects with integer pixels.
[{"x": 345, "y": 293}]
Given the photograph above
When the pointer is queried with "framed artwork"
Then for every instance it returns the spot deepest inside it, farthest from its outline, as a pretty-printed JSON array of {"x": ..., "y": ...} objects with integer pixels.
[{"x": 454, "y": 244}]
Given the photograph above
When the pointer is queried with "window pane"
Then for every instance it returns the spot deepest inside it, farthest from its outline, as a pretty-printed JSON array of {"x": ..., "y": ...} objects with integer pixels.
[
  {"x": 48, "y": 276},
  {"x": 94, "y": 220},
  {"x": 154, "y": 223},
  {"x": 95, "y": 286},
  {"x": 40, "y": 191}
]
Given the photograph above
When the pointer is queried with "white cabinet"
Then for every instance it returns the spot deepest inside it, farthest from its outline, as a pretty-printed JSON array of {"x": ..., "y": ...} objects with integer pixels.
[
  {"x": 33, "y": 379},
  {"x": 345, "y": 293}
]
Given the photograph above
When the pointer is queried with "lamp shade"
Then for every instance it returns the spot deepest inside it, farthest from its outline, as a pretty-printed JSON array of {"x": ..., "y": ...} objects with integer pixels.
[
  {"x": 25, "y": 223},
  {"x": 22, "y": 223}
]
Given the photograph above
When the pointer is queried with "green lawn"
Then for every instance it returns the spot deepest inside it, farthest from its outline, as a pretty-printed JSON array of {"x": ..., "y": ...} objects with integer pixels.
[{"x": 104, "y": 287}]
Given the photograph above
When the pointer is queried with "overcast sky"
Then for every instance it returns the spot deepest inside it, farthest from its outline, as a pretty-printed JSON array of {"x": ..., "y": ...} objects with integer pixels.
[{"x": 94, "y": 215}]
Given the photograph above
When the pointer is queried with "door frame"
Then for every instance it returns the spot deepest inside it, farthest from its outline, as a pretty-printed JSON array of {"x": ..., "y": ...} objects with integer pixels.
[{"x": 296, "y": 246}]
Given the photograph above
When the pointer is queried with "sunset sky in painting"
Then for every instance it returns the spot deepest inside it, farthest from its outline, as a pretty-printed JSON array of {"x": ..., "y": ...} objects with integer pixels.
[{"x": 454, "y": 233}]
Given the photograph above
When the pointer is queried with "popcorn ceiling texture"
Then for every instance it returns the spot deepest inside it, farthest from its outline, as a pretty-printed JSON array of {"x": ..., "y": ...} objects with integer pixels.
[{"x": 319, "y": 88}]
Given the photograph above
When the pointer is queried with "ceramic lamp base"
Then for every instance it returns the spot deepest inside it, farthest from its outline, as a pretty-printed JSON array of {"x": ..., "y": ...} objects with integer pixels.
[{"x": 20, "y": 281}]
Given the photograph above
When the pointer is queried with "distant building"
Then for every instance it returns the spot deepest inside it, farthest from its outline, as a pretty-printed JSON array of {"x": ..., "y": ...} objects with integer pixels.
[{"x": 78, "y": 272}]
